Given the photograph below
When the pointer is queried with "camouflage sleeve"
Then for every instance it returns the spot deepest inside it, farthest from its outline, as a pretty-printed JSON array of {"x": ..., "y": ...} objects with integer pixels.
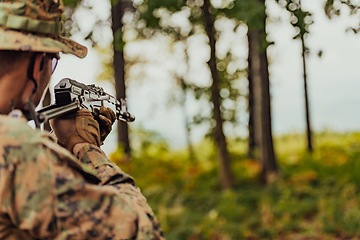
[
  {"x": 45, "y": 192},
  {"x": 110, "y": 174}
]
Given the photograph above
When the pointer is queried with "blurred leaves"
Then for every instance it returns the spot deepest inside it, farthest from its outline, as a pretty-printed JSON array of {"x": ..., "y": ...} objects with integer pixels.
[
  {"x": 107, "y": 69},
  {"x": 335, "y": 8},
  {"x": 300, "y": 19},
  {"x": 332, "y": 7},
  {"x": 249, "y": 12},
  {"x": 316, "y": 197},
  {"x": 71, "y": 3}
]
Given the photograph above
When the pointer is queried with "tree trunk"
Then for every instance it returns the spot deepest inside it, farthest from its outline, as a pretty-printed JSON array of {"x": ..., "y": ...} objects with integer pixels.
[
  {"x": 225, "y": 173},
  {"x": 262, "y": 109},
  {"x": 251, "y": 140},
  {"x": 267, "y": 151},
  {"x": 117, "y": 12},
  {"x": 256, "y": 80},
  {"x": 307, "y": 111},
  {"x": 46, "y": 102}
]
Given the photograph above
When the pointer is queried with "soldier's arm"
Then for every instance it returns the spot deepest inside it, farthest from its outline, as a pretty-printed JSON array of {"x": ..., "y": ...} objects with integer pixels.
[
  {"x": 110, "y": 174},
  {"x": 95, "y": 159},
  {"x": 68, "y": 132}
]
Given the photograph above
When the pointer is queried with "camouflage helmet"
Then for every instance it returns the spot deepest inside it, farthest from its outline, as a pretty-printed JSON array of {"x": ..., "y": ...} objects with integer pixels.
[{"x": 35, "y": 25}]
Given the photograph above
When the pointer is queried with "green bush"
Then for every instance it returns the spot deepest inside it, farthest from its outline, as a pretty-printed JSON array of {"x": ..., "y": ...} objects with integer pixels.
[{"x": 315, "y": 197}]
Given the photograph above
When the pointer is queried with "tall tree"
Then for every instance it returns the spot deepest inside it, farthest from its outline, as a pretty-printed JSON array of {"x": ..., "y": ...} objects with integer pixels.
[
  {"x": 264, "y": 128},
  {"x": 117, "y": 13},
  {"x": 260, "y": 129},
  {"x": 302, "y": 21},
  {"x": 219, "y": 136},
  {"x": 261, "y": 99},
  {"x": 251, "y": 128}
]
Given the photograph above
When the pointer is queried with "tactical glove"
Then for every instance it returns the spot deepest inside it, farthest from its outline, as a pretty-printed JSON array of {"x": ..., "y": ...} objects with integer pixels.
[
  {"x": 87, "y": 130},
  {"x": 81, "y": 127},
  {"x": 106, "y": 117}
]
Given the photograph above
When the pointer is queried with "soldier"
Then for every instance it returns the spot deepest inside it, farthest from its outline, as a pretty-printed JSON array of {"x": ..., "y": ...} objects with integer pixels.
[{"x": 48, "y": 190}]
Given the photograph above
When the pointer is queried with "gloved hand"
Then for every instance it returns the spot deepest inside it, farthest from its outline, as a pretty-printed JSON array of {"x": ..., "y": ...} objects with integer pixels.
[
  {"x": 81, "y": 127},
  {"x": 106, "y": 117}
]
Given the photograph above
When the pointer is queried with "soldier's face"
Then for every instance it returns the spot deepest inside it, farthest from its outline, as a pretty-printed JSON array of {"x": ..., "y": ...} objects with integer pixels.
[{"x": 42, "y": 77}]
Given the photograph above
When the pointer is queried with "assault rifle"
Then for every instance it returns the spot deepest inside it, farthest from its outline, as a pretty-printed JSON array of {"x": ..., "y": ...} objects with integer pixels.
[{"x": 71, "y": 96}]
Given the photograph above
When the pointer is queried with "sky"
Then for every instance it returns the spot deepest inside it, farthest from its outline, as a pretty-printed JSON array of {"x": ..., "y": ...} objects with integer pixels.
[{"x": 333, "y": 79}]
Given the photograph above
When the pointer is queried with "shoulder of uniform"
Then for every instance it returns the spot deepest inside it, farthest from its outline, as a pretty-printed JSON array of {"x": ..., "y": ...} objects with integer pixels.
[
  {"x": 9, "y": 124},
  {"x": 16, "y": 131},
  {"x": 18, "y": 139}
]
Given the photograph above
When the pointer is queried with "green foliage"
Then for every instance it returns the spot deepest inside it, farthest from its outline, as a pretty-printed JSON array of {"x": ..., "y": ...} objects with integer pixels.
[
  {"x": 301, "y": 19},
  {"x": 156, "y": 15},
  {"x": 228, "y": 90},
  {"x": 251, "y": 12},
  {"x": 107, "y": 69},
  {"x": 316, "y": 197},
  {"x": 71, "y": 3},
  {"x": 148, "y": 13},
  {"x": 332, "y": 8}
]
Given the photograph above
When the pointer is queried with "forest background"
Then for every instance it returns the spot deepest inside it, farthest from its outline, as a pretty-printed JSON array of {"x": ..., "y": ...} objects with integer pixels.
[{"x": 197, "y": 188}]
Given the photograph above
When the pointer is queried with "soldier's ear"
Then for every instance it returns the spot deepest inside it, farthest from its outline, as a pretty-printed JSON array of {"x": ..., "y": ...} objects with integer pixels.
[{"x": 38, "y": 65}]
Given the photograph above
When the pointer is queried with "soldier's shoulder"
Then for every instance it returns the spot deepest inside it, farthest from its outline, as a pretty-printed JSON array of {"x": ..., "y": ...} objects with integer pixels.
[
  {"x": 17, "y": 137},
  {"x": 17, "y": 129},
  {"x": 19, "y": 142},
  {"x": 13, "y": 125}
]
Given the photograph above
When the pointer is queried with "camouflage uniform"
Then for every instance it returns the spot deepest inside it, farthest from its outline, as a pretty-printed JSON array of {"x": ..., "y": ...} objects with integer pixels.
[{"x": 45, "y": 191}]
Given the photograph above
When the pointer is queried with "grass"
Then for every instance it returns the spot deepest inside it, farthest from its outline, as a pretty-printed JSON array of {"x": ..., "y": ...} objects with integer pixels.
[{"x": 316, "y": 196}]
